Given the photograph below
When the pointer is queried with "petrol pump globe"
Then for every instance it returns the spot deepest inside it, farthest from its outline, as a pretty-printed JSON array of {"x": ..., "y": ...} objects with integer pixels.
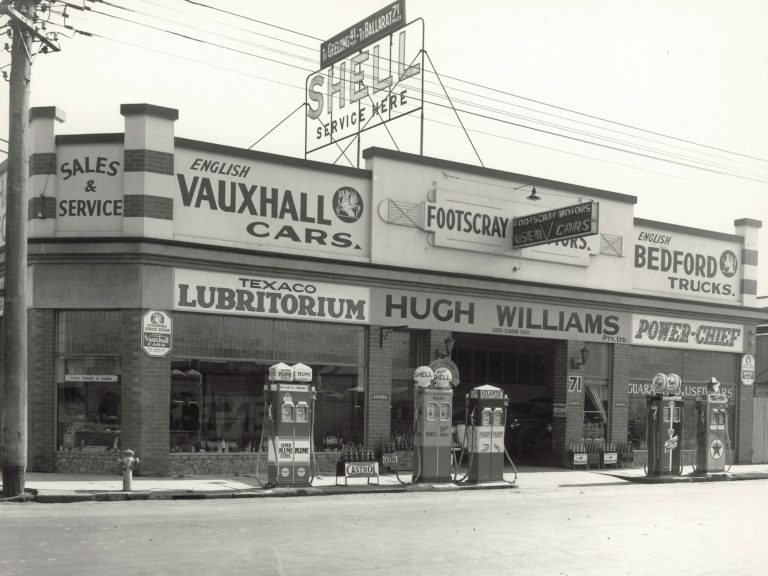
[
  {"x": 673, "y": 384},
  {"x": 423, "y": 376},
  {"x": 280, "y": 372},
  {"x": 443, "y": 378},
  {"x": 302, "y": 373},
  {"x": 659, "y": 383}
]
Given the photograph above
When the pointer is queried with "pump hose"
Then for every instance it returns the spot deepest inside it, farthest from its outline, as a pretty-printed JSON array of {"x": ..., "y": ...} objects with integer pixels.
[
  {"x": 417, "y": 472},
  {"x": 728, "y": 440},
  {"x": 313, "y": 457},
  {"x": 514, "y": 469},
  {"x": 261, "y": 444},
  {"x": 467, "y": 419}
]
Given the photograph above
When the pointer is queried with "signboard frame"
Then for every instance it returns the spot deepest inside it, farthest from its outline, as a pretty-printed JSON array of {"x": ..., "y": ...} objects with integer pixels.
[
  {"x": 351, "y": 40},
  {"x": 156, "y": 340},
  {"x": 389, "y": 105},
  {"x": 566, "y": 222}
]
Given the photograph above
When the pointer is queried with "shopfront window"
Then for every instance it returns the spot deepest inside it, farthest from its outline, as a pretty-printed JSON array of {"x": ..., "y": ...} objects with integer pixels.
[
  {"x": 217, "y": 397},
  {"x": 88, "y": 381},
  {"x": 595, "y": 410},
  {"x": 695, "y": 368},
  {"x": 89, "y": 405}
]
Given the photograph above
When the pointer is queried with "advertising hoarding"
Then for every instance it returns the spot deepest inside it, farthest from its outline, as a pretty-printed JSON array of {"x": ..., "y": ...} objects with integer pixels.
[
  {"x": 249, "y": 295},
  {"x": 672, "y": 263},
  {"x": 553, "y": 225},
  {"x": 419, "y": 310},
  {"x": 256, "y": 204},
  {"x": 382, "y": 82},
  {"x": 690, "y": 334}
]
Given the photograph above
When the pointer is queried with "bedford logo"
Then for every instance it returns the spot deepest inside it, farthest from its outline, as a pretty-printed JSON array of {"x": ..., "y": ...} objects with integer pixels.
[
  {"x": 348, "y": 204},
  {"x": 728, "y": 264}
]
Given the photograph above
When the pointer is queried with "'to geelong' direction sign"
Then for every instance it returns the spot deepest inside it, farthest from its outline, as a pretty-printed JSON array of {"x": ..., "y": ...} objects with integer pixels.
[{"x": 552, "y": 225}]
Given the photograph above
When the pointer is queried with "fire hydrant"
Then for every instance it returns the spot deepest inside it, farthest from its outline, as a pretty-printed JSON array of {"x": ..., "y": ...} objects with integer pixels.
[{"x": 128, "y": 463}]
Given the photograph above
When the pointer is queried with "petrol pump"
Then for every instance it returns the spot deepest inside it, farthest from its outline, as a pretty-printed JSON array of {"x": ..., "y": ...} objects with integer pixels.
[
  {"x": 711, "y": 429},
  {"x": 289, "y": 415},
  {"x": 487, "y": 420},
  {"x": 433, "y": 437},
  {"x": 665, "y": 426}
]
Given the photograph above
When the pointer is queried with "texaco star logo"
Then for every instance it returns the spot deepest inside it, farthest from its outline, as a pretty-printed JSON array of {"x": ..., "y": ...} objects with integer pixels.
[{"x": 716, "y": 449}]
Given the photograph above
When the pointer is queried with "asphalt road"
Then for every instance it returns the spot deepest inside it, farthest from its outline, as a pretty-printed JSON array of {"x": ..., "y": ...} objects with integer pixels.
[{"x": 702, "y": 528}]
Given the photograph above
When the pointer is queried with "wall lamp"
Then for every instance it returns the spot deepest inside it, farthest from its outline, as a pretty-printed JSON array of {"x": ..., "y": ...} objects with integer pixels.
[
  {"x": 584, "y": 356},
  {"x": 532, "y": 196},
  {"x": 449, "y": 343}
]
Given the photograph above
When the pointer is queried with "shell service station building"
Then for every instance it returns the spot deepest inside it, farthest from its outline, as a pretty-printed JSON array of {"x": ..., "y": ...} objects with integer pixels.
[{"x": 166, "y": 275}]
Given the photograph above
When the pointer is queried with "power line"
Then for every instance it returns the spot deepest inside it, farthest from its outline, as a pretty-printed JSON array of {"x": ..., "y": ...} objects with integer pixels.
[
  {"x": 466, "y": 102},
  {"x": 471, "y": 104}
]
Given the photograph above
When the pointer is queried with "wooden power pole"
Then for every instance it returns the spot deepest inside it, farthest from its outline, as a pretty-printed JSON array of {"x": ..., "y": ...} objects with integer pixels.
[{"x": 13, "y": 403}]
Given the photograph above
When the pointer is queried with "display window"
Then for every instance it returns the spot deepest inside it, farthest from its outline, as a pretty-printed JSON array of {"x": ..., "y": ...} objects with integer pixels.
[
  {"x": 217, "y": 400},
  {"x": 220, "y": 406},
  {"x": 88, "y": 404},
  {"x": 88, "y": 380},
  {"x": 695, "y": 368}
]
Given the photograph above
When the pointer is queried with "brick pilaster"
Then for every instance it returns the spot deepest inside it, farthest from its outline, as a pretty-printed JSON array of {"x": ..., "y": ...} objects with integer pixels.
[
  {"x": 148, "y": 181},
  {"x": 146, "y": 395},
  {"x": 42, "y": 170},
  {"x": 41, "y": 399},
  {"x": 618, "y": 409},
  {"x": 378, "y": 410}
]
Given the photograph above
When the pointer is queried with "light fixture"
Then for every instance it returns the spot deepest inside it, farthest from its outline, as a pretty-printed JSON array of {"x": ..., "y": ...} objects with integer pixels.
[
  {"x": 584, "y": 356},
  {"x": 533, "y": 195},
  {"x": 449, "y": 343}
]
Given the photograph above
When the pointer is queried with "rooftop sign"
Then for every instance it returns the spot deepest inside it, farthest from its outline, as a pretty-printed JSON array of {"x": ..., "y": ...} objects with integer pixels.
[
  {"x": 365, "y": 32},
  {"x": 372, "y": 73},
  {"x": 553, "y": 225}
]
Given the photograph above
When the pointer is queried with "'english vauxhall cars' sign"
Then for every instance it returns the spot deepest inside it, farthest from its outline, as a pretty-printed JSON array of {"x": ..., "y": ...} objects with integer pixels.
[
  {"x": 253, "y": 203},
  {"x": 559, "y": 224}
]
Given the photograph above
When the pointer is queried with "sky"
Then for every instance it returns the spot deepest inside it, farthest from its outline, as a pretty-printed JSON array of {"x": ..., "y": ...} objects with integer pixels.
[{"x": 661, "y": 99}]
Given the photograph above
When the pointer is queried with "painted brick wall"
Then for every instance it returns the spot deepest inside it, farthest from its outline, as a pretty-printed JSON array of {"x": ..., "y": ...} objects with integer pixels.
[
  {"x": 147, "y": 206},
  {"x": 41, "y": 398},
  {"x": 138, "y": 160}
]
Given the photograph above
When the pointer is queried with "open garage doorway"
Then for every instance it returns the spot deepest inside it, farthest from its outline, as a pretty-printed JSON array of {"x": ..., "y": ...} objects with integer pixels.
[{"x": 524, "y": 369}]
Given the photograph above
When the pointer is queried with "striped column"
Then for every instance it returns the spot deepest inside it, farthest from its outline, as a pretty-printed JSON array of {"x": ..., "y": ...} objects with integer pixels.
[
  {"x": 42, "y": 170},
  {"x": 748, "y": 229},
  {"x": 148, "y": 170}
]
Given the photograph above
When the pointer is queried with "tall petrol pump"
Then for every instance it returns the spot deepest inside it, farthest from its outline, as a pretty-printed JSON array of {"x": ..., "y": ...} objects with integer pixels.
[
  {"x": 711, "y": 429},
  {"x": 665, "y": 427},
  {"x": 290, "y": 413},
  {"x": 433, "y": 432},
  {"x": 487, "y": 412}
]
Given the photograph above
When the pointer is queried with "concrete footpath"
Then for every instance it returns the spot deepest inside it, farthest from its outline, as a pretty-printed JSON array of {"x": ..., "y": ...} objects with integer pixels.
[{"x": 59, "y": 488}]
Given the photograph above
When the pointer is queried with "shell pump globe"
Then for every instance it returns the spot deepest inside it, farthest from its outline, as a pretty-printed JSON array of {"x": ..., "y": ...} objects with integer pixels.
[{"x": 423, "y": 376}]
